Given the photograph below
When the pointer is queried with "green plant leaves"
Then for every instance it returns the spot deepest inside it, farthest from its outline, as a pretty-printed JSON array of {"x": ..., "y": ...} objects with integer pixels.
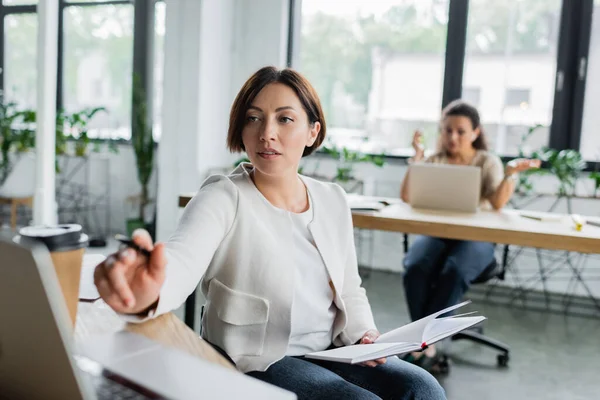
[
  {"x": 347, "y": 158},
  {"x": 565, "y": 165}
]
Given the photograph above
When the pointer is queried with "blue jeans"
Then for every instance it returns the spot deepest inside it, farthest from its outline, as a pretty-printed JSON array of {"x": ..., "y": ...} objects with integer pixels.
[
  {"x": 315, "y": 379},
  {"x": 439, "y": 271}
]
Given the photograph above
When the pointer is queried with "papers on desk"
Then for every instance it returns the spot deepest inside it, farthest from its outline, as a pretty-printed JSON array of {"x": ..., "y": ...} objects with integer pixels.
[
  {"x": 87, "y": 289},
  {"x": 362, "y": 203}
]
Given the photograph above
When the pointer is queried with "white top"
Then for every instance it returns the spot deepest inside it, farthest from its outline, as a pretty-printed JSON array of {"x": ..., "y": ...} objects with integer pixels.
[
  {"x": 230, "y": 240},
  {"x": 313, "y": 310}
]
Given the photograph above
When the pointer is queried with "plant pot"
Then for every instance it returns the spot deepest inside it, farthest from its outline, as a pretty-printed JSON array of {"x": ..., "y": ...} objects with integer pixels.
[{"x": 133, "y": 224}]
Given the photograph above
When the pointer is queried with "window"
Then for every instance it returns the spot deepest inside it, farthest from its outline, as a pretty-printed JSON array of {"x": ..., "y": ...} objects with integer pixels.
[
  {"x": 590, "y": 136},
  {"x": 98, "y": 88},
  {"x": 511, "y": 53},
  {"x": 20, "y": 68},
  {"x": 472, "y": 95},
  {"x": 517, "y": 98},
  {"x": 380, "y": 72},
  {"x": 98, "y": 53},
  {"x": 159, "y": 60},
  {"x": 19, "y": 2}
]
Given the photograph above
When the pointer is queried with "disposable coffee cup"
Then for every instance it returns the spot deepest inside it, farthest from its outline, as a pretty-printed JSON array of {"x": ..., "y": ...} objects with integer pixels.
[{"x": 66, "y": 244}]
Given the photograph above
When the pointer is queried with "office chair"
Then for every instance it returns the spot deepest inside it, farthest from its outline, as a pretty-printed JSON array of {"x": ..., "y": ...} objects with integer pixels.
[
  {"x": 475, "y": 334},
  {"x": 494, "y": 270},
  {"x": 189, "y": 316}
]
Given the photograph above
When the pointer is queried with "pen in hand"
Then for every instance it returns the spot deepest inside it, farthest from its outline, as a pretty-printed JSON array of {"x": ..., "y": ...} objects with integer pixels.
[{"x": 130, "y": 243}]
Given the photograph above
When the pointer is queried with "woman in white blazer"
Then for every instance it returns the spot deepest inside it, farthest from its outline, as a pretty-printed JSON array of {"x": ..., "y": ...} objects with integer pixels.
[{"x": 274, "y": 254}]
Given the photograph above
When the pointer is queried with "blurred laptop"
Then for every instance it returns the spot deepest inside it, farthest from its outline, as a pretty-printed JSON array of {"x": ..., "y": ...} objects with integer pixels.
[
  {"x": 38, "y": 360},
  {"x": 445, "y": 187}
]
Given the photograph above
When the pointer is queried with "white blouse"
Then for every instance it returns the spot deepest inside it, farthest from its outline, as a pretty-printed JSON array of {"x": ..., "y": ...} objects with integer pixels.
[{"x": 313, "y": 310}]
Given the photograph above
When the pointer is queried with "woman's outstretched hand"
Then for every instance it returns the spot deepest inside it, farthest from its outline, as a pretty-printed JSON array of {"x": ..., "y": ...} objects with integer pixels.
[
  {"x": 519, "y": 165},
  {"x": 128, "y": 281}
]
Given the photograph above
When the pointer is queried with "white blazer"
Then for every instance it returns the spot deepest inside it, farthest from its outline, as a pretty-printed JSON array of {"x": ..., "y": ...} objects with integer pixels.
[{"x": 239, "y": 246}]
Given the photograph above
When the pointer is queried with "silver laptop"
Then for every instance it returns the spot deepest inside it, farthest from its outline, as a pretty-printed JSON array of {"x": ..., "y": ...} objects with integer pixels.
[
  {"x": 39, "y": 361},
  {"x": 444, "y": 187}
]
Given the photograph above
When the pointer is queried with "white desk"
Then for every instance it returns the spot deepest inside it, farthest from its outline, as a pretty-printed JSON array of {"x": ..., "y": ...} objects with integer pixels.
[{"x": 506, "y": 227}]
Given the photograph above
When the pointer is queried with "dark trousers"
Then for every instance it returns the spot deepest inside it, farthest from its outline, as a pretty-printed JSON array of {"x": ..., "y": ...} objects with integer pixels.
[{"x": 438, "y": 272}]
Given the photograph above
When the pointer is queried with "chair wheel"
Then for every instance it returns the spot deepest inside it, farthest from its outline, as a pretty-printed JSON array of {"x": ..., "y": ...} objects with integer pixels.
[{"x": 503, "y": 360}]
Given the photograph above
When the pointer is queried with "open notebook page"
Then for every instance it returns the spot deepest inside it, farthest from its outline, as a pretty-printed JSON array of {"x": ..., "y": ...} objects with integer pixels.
[
  {"x": 414, "y": 332},
  {"x": 445, "y": 327}
]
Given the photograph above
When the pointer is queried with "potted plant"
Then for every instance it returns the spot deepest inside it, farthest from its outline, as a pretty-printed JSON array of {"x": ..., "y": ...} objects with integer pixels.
[
  {"x": 143, "y": 147},
  {"x": 77, "y": 125},
  {"x": 346, "y": 160},
  {"x": 595, "y": 176},
  {"x": 16, "y": 134},
  {"x": 565, "y": 165}
]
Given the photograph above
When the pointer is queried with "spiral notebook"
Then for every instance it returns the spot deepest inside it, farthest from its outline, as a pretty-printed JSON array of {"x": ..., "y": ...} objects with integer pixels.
[{"x": 408, "y": 338}]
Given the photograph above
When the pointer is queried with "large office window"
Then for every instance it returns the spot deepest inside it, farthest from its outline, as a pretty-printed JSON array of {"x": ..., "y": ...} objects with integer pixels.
[
  {"x": 98, "y": 54},
  {"x": 590, "y": 134},
  {"x": 511, "y": 56},
  {"x": 20, "y": 54},
  {"x": 378, "y": 68}
]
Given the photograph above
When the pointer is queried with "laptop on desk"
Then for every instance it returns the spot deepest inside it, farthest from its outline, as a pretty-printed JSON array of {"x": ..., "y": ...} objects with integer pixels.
[
  {"x": 39, "y": 361},
  {"x": 445, "y": 187}
]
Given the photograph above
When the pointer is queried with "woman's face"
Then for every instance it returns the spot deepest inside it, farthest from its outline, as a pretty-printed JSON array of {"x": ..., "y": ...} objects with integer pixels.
[
  {"x": 277, "y": 130},
  {"x": 458, "y": 134}
]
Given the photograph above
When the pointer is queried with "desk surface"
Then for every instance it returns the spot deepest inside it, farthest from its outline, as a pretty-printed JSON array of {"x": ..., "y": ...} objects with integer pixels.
[
  {"x": 554, "y": 231},
  {"x": 99, "y": 318}
]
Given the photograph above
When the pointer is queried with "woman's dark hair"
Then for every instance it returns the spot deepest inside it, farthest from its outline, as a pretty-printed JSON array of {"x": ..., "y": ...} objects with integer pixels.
[
  {"x": 463, "y": 109},
  {"x": 261, "y": 78}
]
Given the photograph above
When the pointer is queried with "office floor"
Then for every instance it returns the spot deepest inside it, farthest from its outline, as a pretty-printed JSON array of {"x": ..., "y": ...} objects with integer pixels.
[{"x": 552, "y": 356}]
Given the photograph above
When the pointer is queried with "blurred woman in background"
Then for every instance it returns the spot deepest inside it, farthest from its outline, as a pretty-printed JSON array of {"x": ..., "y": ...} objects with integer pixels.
[{"x": 437, "y": 272}]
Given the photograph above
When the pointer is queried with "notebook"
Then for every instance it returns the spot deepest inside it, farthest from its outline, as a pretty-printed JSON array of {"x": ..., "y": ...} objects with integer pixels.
[{"x": 408, "y": 338}]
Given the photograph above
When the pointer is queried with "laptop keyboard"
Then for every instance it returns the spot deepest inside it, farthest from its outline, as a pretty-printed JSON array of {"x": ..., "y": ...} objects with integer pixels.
[
  {"x": 107, "y": 389},
  {"x": 110, "y": 386}
]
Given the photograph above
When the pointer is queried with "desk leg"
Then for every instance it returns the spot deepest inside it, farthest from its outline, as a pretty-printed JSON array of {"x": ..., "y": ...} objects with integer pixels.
[{"x": 190, "y": 310}]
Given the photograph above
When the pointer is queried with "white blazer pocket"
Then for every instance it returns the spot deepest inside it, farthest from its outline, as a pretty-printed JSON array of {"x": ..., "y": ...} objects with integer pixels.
[{"x": 241, "y": 320}]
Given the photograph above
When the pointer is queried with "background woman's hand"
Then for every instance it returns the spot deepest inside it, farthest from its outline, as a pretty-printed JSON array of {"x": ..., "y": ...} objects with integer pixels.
[
  {"x": 130, "y": 282},
  {"x": 520, "y": 164},
  {"x": 417, "y": 144},
  {"x": 368, "y": 338}
]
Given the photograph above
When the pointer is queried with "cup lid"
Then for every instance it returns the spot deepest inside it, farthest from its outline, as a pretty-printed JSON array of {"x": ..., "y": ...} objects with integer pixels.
[{"x": 57, "y": 237}]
